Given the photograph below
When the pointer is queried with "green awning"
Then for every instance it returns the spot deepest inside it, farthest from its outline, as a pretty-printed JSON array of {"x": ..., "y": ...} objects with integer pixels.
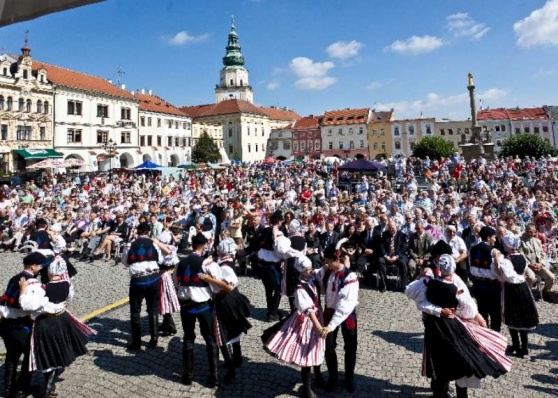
[{"x": 38, "y": 153}]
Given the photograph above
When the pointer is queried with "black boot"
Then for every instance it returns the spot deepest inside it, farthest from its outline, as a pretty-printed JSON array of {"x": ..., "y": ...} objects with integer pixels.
[
  {"x": 306, "y": 373},
  {"x": 350, "y": 363},
  {"x": 188, "y": 366},
  {"x": 514, "y": 348},
  {"x": 230, "y": 376},
  {"x": 167, "y": 328},
  {"x": 237, "y": 355},
  {"x": 153, "y": 327},
  {"x": 524, "y": 350},
  {"x": 213, "y": 359},
  {"x": 10, "y": 379},
  {"x": 320, "y": 382},
  {"x": 331, "y": 362},
  {"x": 461, "y": 392},
  {"x": 50, "y": 386},
  {"x": 135, "y": 344}
]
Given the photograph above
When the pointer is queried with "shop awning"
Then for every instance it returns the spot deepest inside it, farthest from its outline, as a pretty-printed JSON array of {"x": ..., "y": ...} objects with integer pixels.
[{"x": 38, "y": 153}]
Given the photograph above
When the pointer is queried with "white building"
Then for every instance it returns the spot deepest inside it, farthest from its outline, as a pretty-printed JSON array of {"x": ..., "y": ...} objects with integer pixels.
[
  {"x": 26, "y": 98},
  {"x": 165, "y": 133},
  {"x": 90, "y": 112},
  {"x": 345, "y": 133},
  {"x": 279, "y": 143}
]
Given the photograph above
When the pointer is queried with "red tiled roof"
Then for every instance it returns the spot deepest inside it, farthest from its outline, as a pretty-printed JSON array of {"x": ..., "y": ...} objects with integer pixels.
[
  {"x": 197, "y": 110},
  {"x": 381, "y": 116},
  {"x": 69, "y": 78},
  {"x": 280, "y": 114},
  {"x": 346, "y": 116},
  {"x": 512, "y": 114},
  {"x": 153, "y": 103},
  {"x": 307, "y": 122}
]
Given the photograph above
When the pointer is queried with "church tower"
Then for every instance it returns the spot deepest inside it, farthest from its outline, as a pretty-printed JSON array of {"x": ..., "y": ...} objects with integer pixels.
[{"x": 233, "y": 82}]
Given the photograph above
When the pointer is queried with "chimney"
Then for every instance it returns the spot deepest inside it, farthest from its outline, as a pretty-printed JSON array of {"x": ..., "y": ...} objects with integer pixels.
[
  {"x": 123, "y": 86},
  {"x": 150, "y": 92},
  {"x": 110, "y": 81},
  {"x": 142, "y": 91},
  {"x": 311, "y": 116}
]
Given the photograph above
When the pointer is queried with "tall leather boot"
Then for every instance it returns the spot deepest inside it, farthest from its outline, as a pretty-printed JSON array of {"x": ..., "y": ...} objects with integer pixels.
[
  {"x": 188, "y": 366},
  {"x": 320, "y": 382},
  {"x": 10, "y": 379},
  {"x": 461, "y": 392},
  {"x": 153, "y": 331},
  {"x": 237, "y": 354},
  {"x": 524, "y": 350},
  {"x": 514, "y": 348},
  {"x": 306, "y": 374},
  {"x": 135, "y": 331},
  {"x": 331, "y": 361},
  {"x": 230, "y": 376},
  {"x": 213, "y": 359},
  {"x": 350, "y": 363},
  {"x": 50, "y": 386}
]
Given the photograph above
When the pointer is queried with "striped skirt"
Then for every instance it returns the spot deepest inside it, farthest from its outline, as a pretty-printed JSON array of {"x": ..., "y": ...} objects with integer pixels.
[
  {"x": 296, "y": 341},
  {"x": 168, "y": 304}
]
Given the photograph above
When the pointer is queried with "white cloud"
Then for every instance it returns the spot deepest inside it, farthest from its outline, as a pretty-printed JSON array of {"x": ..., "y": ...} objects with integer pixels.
[
  {"x": 311, "y": 75},
  {"x": 543, "y": 72},
  {"x": 415, "y": 45},
  {"x": 540, "y": 27},
  {"x": 462, "y": 25},
  {"x": 374, "y": 85},
  {"x": 344, "y": 49},
  {"x": 184, "y": 37},
  {"x": 436, "y": 105},
  {"x": 272, "y": 85}
]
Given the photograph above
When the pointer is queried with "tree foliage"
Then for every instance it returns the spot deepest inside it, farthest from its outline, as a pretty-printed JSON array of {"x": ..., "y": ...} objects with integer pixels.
[
  {"x": 434, "y": 148},
  {"x": 205, "y": 150},
  {"x": 526, "y": 145}
]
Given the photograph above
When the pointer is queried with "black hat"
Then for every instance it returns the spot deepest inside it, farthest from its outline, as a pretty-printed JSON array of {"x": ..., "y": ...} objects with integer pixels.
[
  {"x": 332, "y": 252},
  {"x": 440, "y": 248},
  {"x": 34, "y": 259},
  {"x": 144, "y": 227},
  {"x": 486, "y": 232},
  {"x": 40, "y": 223},
  {"x": 276, "y": 216},
  {"x": 199, "y": 239}
]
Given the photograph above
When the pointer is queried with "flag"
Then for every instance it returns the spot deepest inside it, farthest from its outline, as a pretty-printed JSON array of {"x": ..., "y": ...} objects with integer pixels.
[{"x": 12, "y": 11}]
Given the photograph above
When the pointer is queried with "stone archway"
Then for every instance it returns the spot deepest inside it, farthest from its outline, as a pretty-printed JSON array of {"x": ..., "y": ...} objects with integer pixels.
[
  {"x": 126, "y": 160},
  {"x": 174, "y": 160},
  {"x": 146, "y": 157}
]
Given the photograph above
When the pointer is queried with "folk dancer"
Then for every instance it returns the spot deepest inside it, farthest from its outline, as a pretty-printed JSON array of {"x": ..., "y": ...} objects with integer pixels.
[
  {"x": 196, "y": 304},
  {"x": 142, "y": 258},
  {"x": 457, "y": 345},
  {"x": 340, "y": 287},
  {"x": 298, "y": 338}
]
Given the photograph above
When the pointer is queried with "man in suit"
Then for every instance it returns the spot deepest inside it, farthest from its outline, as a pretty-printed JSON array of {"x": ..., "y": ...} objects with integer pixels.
[
  {"x": 532, "y": 248},
  {"x": 419, "y": 249},
  {"x": 393, "y": 252},
  {"x": 367, "y": 240},
  {"x": 330, "y": 237}
]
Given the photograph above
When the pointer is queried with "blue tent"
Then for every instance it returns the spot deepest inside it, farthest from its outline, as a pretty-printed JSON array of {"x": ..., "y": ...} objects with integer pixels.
[
  {"x": 362, "y": 165},
  {"x": 147, "y": 165}
]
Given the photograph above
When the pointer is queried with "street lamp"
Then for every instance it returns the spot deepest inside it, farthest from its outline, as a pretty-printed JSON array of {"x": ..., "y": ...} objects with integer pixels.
[{"x": 109, "y": 147}]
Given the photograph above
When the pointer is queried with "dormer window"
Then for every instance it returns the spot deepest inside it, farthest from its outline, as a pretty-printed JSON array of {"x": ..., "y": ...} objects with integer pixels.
[{"x": 25, "y": 74}]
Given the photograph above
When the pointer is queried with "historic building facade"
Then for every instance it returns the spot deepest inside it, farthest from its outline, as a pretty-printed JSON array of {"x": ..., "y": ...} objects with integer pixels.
[
  {"x": 26, "y": 112},
  {"x": 345, "y": 133},
  {"x": 307, "y": 137}
]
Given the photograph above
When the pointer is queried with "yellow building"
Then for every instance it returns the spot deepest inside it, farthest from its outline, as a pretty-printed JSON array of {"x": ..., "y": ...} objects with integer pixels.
[
  {"x": 379, "y": 141},
  {"x": 404, "y": 134}
]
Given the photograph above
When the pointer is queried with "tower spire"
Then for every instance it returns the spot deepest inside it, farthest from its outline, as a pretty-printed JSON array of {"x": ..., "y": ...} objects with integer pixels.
[
  {"x": 25, "y": 50},
  {"x": 233, "y": 56}
]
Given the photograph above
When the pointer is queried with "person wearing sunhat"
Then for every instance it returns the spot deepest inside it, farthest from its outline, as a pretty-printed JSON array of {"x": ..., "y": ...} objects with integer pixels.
[
  {"x": 195, "y": 294},
  {"x": 270, "y": 266},
  {"x": 142, "y": 259},
  {"x": 16, "y": 329},
  {"x": 486, "y": 286},
  {"x": 340, "y": 286}
]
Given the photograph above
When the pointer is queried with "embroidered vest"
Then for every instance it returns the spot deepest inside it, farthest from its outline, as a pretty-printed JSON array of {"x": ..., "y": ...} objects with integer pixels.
[
  {"x": 11, "y": 296},
  {"x": 342, "y": 276},
  {"x": 142, "y": 249},
  {"x": 266, "y": 239},
  {"x": 188, "y": 270},
  {"x": 481, "y": 255}
]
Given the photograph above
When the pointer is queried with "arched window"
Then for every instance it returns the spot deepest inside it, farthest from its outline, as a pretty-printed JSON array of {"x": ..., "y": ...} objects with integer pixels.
[
  {"x": 1, "y": 102},
  {"x": 20, "y": 105},
  {"x": 398, "y": 145},
  {"x": 10, "y": 103},
  {"x": 28, "y": 105},
  {"x": 46, "y": 108},
  {"x": 39, "y": 106}
]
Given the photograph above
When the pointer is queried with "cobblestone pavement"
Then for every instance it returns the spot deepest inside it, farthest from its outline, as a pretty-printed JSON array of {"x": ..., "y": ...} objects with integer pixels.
[{"x": 388, "y": 363}]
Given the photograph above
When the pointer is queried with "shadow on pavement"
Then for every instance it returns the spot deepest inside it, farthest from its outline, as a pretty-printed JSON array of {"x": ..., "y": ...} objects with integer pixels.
[{"x": 411, "y": 341}]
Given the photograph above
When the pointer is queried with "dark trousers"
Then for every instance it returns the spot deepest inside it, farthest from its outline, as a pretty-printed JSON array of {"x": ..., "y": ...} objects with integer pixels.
[
  {"x": 146, "y": 288},
  {"x": 16, "y": 341},
  {"x": 203, "y": 313},
  {"x": 349, "y": 332},
  {"x": 488, "y": 301},
  {"x": 271, "y": 278},
  {"x": 401, "y": 263}
]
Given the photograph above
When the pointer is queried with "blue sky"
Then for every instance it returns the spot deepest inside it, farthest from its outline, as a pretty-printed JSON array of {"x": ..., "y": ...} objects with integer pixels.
[{"x": 314, "y": 56}]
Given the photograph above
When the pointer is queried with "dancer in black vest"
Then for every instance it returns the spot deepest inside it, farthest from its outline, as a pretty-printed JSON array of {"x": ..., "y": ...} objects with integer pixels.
[
  {"x": 270, "y": 267},
  {"x": 16, "y": 331},
  {"x": 143, "y": 259},
  {"x": 486, "y": 286},
  {"x": 196, "y": 304},
  {"x": 340, "y": 287}
]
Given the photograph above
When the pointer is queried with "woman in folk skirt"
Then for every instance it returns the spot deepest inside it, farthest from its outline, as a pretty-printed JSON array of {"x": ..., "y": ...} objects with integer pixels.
[
  {"x": 296, "y": 339},
  {"x": 519, "y": 311},
  {"x": 58, "y": 338},
  {"x": 457, "y": 344},
  {"x": 232, "y": 308}
]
